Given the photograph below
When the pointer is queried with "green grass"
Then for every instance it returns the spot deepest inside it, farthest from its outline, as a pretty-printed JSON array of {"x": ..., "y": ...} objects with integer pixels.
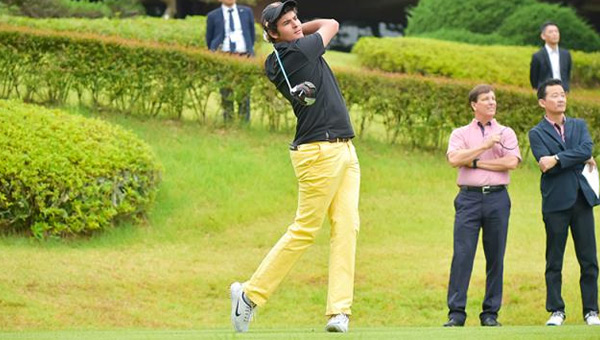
[
  {"x": 539, "y": 332},
  {"x": 226, "y": 197}
]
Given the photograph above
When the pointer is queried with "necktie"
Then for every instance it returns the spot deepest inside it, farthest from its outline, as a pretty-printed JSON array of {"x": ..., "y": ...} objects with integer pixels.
[
  {"x": 559, "y": 130},
  {"x": 231, "y": 30}
]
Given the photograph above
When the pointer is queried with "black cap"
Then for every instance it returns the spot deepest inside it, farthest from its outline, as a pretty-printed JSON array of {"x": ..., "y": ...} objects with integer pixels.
[{"x": 273, "y": 12}]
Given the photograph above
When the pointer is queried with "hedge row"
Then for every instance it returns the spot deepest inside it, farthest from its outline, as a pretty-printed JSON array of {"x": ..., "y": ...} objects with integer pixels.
[
  {"x": 188, "y": 32},
  {"x": 71, "y": 8},
  {"x": 495, "y": 64},
  {"x": 157, "y": 80},
  {"x": 62, "y": 174}
]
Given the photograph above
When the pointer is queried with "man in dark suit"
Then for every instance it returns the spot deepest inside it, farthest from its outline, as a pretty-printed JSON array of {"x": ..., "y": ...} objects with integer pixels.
[
  {"x": 230, "y": 29},
  {"x": 550, "y": 62},
  {"x": 562, "y": 146}
]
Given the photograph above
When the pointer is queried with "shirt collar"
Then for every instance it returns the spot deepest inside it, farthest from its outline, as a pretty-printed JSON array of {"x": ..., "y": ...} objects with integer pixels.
[
  {"x": 550, "y": 50},
  {"x": 226, "y": 9},
  {"x": 491, "y": 123},
  {"x": 564, "y": 119}
]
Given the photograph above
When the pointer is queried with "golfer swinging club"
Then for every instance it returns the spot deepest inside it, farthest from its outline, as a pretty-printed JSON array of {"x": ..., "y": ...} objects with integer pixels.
[{"x": 324, "y": 162}]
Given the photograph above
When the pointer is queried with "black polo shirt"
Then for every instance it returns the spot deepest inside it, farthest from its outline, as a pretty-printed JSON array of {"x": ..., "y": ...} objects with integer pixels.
[{"x": 302, "y": 59}]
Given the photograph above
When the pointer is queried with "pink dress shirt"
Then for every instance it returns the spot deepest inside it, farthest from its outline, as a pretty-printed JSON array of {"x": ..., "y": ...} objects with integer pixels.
[{"x": 471, "y": 136}]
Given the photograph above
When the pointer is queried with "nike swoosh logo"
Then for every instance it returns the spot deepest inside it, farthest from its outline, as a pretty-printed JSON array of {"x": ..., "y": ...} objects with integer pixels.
[{"x": 237, "y": 309}]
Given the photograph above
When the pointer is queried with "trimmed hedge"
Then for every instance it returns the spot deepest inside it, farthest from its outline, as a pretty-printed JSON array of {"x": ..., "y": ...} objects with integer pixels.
[
  {"x": 508, "y": 22},
  {"x": 75, "y": 8},
  {"x": 481, "y": 16},
  {"x": 495, "y": 64},
  {"x": 188, "y": 32},
  {"x": 158, "y": 80},
  {"x": 462, "y": 35},
  {"x": 63, "y": 175}
]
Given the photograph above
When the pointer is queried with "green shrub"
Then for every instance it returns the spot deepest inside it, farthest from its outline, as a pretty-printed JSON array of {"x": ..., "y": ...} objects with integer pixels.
[
  {"x": 61, "y": 8},
  {"x": 480, "y": 16},
  {"x": 125, "y": 8},
  {"x": 523, "y": 27},
  {"x": 493, "y": 64},
  {"x": 62, "y": 174},
  {"x": 188, "y": 32},
  {"x": 462, "y": 35}
]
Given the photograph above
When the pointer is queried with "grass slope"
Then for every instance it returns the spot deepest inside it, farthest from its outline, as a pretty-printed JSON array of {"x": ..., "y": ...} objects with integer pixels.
[{"x": 227, "y": 197}]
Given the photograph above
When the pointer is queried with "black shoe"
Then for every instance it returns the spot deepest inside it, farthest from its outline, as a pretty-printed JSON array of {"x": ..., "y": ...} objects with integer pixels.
[
  {"x": 454, "y": 323},
  {"x": 490, "y": 322}
]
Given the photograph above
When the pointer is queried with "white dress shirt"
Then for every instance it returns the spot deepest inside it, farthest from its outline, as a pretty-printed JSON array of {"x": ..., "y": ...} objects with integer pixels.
[
  {"x": 237, "y": 35},
  {"x": 554, "y": 61}
]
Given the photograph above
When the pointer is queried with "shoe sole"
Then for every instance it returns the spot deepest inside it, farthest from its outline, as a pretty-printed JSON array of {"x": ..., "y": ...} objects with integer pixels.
[{"x": 335, "y": 329}]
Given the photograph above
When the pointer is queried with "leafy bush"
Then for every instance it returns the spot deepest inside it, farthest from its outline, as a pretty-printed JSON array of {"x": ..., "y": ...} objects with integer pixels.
[
  {"x": 462, "y": 35},
  {"x": 62, "y": 174},
  {"x": 158, "y": 80},
  {"x": 125, "y": 8},
  {"x": 74, "y": 8},
  {"x": 188, "y": 32},
  {"x": 494, "y": 64},
  {"x": 490, "y": 22},
  {"x": 60, "y": 8},
  {"x": 480, "y": 16},
  {"x": 523, "y": 27}
]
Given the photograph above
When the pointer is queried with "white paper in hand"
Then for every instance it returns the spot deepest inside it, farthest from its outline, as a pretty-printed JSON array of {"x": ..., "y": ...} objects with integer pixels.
[{"x": 592, "y": 178}]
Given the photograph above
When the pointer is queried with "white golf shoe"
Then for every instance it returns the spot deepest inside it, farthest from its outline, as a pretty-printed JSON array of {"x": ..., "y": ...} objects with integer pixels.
[
  {"x": 592, "y": 319},
  {"x": 241, "y": 308},
  {"x": 556, "y": 319},
  {"x": 338, "y": 323}
]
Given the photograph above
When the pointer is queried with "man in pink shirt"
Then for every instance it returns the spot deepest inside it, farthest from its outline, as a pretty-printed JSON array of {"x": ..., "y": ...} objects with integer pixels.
[{"x": 483, "y": 151}]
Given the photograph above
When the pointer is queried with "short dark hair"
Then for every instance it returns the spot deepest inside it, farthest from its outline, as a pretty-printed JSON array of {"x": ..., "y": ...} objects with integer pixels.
[
  {"x": 271, "y": 26},
  {"x": 541, "y": 91},
  {"x": 546, "y": 24},
  {"x": 477, "y": 90}
]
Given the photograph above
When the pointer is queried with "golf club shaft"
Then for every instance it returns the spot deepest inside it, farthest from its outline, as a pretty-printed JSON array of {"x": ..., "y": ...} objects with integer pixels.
[{"x": 282, "y": 69}]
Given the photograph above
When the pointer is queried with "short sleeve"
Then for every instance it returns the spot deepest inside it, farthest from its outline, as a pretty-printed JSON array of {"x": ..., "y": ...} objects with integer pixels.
[
  {"x": 510, "y": 143},
  {"x": 457, "y": 141},
  {"x": 311, "y": 46}
]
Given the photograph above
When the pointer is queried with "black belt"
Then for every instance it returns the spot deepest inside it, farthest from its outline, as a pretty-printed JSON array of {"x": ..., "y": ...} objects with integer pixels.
[
  {"x": 333, "y": 140},
  {"x": 339, "y": 140},
  {"x": 486, "y": 189}
]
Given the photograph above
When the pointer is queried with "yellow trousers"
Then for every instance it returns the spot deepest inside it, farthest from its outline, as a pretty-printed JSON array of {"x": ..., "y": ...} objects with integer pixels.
[{"x": 328, "y": 184}]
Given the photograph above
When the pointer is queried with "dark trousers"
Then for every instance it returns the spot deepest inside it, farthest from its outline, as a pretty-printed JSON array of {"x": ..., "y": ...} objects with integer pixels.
[
  {"x": 228, "y": 107},
  {"x": 489, "y": 212},
  {"x": 581, "y": 219}
]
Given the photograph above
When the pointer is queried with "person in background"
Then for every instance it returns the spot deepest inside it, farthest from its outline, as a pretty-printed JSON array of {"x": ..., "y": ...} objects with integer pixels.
[
  {"x": 230, "y": 29},
  {"x": 551, "y": 61}
]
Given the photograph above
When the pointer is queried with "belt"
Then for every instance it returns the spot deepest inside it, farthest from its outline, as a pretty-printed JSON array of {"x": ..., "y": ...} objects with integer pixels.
[
  {"x": 339, "y": 140},
  {"x": 333, "y": 140},
  {"x": 486, "y": 189}
]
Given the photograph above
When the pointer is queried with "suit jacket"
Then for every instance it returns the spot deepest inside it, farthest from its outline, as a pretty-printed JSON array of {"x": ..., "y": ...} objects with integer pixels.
[
  {"x": 215, "y": 28},
  {"x": 541, "y": 69},
  {"x": 560, "y": 185}
]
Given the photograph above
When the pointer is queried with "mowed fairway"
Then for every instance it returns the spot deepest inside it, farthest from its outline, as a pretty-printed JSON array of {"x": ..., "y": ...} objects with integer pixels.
[{"x": 226, "y": 197}]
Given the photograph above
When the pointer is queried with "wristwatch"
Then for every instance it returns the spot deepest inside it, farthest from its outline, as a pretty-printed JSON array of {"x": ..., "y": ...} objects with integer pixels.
[
  {"x": 474, "y": 165},
  {"x": 557, "y": 159}
]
